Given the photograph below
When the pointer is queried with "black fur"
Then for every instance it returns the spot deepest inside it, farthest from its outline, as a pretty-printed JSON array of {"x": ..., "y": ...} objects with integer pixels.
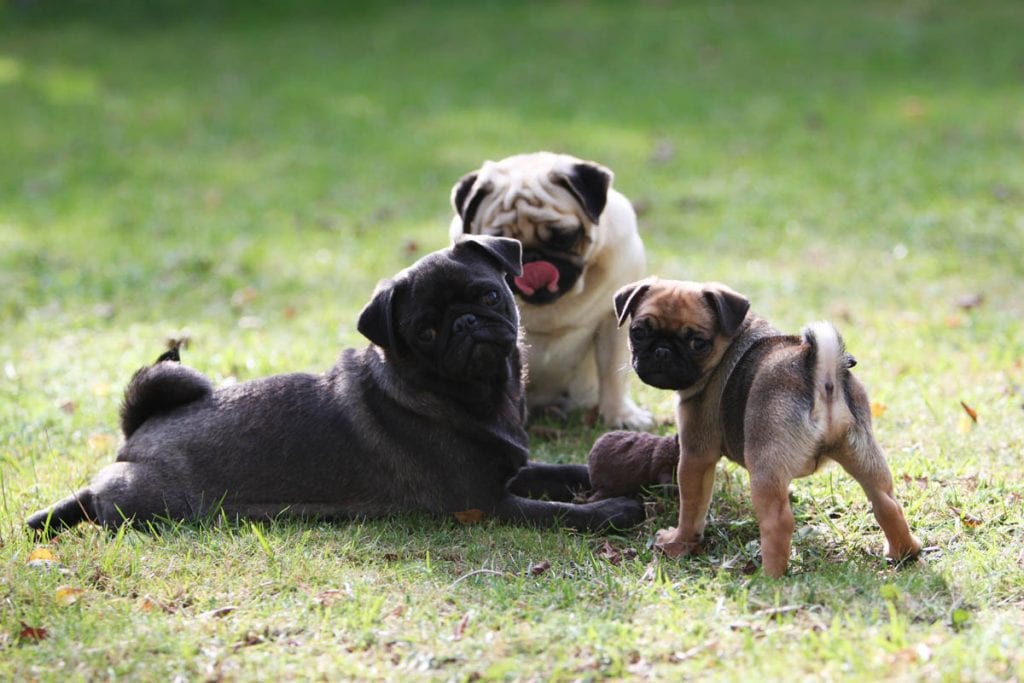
[{"x": 431, "y": 422}]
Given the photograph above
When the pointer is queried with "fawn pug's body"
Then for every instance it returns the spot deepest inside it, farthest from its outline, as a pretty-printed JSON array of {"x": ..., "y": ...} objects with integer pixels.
[{"x": 779, "y": 405}]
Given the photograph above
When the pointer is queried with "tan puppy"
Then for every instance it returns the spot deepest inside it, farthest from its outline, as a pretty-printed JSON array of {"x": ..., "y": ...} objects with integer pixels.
[
  {"x": 580, "y": 244},
  {"x": 779, "y": 405}
]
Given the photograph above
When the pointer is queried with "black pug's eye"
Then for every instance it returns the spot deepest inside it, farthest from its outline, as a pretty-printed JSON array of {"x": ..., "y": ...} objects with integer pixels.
[
  {"x": 699, "y": 344},
  {"x": 490, "y": 298},
  {"x": 427, "y": 335}
]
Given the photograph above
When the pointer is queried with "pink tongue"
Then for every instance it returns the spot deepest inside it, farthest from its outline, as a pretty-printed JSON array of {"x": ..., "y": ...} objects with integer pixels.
[{"x": 537, "y": 275}]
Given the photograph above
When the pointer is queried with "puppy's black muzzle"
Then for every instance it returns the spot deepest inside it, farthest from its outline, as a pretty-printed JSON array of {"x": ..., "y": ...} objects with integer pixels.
[{"x": 660, "y": 366}]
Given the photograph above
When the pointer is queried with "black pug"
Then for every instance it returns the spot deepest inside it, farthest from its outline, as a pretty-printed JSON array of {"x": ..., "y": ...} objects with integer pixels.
[{"x": 428, "y": 418}]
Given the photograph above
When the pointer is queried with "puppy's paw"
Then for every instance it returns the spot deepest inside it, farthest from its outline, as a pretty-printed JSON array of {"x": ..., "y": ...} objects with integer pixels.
[
  {"x": 627, "y": 415},
  {"x": 669, "y": 541}
]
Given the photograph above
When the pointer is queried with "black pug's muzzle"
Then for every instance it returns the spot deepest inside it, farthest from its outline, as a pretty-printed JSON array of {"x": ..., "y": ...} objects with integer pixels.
[
  {"x": 546, "y": 276},
  {"x": 477, "y": 343}
]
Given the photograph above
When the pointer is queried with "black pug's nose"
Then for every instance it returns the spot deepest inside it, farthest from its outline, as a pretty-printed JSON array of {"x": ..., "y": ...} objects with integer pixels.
[
  {"x": 463, "y": 323},
  {"x": 662, "y": 354}
]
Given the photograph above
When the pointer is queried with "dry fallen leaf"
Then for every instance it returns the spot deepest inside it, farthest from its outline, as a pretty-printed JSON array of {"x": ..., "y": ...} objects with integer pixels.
[
  {"x": 539, "y": 568},
  {"x": 42, "y": 554},
  {"x": 877, "y": 409},
  {"x": 968, "y": 519},
  {"x": 969, "y": 301},
  {"x": 330, "y": 596},
  {"x": 971, "y": 412},
  {"x": 609, "y": 553},
  {"x": 31, "y": 632},
  {"x": 100, "y": 442},
  {"x": 67, "y": 595},
  {"x": 460, "y": 628},
  {"x": 471, "y": 516}
]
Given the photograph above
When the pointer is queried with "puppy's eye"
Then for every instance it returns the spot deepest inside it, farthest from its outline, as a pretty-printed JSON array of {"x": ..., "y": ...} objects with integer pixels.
[
  {"x": 699, "y": 344},
  {"x": 491, "y": 298},
  {"x": 639, "y": 333},
  {"x": 427, "y": 335}
]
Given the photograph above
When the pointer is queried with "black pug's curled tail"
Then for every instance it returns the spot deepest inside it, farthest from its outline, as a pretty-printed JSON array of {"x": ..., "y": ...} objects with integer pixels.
[
  {"x": 65, "y": 514},
  {"x": 159, "y": 388}
]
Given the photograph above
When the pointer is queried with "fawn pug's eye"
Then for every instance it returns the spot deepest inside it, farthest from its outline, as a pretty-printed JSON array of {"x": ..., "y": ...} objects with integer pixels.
[
  {"x": 639, "y": 332},
  {"x": 699, "y": 344}
]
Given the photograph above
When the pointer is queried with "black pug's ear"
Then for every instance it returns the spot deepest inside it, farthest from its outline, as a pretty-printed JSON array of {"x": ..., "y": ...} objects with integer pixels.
[
  {"x": 465, "y": 201},
  {"x": 589, "y": 183},
  {"x": 377, "y": 321},
  {"x": 629, "y": 297},
  {"x": 507, "y": 252},
  {"x": 730, "y": 307}
]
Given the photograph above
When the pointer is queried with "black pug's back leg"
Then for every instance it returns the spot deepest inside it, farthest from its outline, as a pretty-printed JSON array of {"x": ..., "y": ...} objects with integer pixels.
[
  {"x": 121, "y": 492},
  {"x": 551, "y": 482},
  {"x": 618, "y": 513},
  {"x": 71, "y": 511}
]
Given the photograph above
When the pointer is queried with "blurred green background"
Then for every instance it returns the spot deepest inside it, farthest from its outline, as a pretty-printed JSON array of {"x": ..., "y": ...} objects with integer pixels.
[{"x": 244, "y": 172}]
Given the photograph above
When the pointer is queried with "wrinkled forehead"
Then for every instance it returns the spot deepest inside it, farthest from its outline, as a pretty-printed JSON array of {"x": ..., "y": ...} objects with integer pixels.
[
  {"x": 525, "y": 193},
  {"x": 674, "y": 305},
  {"x": 448, "y": 269}
]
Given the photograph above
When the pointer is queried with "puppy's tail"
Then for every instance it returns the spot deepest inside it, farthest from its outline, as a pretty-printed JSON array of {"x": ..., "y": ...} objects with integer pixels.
[
  {"x": 67, "y": 513},
  {"x": 159, "y": 388},
  {"x": 828, "y": 364}
]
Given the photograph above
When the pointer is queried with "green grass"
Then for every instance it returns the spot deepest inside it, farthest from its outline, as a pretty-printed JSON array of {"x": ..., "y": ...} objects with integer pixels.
[{"x": 244, "y": 173}]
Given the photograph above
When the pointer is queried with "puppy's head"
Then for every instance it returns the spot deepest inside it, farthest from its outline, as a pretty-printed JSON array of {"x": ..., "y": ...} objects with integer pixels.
[
  {"x": 679, "y": 331},
  {"x": 551, "y": 203},
  {"x": 451, "y": 313}
]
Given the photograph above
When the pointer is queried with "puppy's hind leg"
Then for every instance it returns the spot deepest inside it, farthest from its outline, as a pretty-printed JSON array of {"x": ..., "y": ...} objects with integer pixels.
[
  {"x": 770, "y": 495},
  {"x": 864, "y": 461}
]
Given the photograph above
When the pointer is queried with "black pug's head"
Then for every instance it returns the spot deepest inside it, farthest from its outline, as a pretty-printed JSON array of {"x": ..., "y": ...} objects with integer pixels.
[
  {"x": 451, "y": 314},
  {"x": 679, "y": 330}
]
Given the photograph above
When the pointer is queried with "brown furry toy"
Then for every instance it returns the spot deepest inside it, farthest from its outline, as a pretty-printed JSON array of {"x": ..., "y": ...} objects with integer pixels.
[{"x": 622, "y": 462}]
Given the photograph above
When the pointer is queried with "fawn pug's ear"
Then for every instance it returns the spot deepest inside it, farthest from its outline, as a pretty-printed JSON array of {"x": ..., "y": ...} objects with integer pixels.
[
  {"x": 730, "y": 307},
  {"x": 629, "y": 297}
]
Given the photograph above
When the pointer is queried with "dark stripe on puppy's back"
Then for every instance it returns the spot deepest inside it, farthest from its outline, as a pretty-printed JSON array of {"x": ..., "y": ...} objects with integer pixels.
[{"x": 737, "y": 388}]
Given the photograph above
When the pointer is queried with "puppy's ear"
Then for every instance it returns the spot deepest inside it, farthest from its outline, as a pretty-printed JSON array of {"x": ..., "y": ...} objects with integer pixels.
[
  {"x": 377, "y": 321},
  {"x": 507, "y": 252},
  {"x": 730, "y": 307},
  {"x": 589, "y": 183},
  {"x": 466, "y": 200},
  {"x": 629, "y": 297}
]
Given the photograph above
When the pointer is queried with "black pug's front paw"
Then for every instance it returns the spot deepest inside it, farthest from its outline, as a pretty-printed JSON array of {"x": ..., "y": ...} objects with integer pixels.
[{"x": 615, "y": 513}]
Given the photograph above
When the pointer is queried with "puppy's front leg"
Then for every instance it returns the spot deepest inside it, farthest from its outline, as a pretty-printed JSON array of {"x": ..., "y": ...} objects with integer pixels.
[
  {"x": 696, "y": 481},
  {"x": 620, "y": 513},
  {"x": 611, "y": 352}
]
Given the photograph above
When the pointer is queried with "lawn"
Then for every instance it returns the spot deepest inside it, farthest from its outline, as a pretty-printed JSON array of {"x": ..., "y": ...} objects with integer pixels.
[{"x": 243, "y": 173}]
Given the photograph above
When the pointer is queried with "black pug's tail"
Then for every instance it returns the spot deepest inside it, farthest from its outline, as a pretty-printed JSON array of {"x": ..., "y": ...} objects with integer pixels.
[
  {"x": 159, "y": 388},
  {"x": 65, "y": 514}
]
